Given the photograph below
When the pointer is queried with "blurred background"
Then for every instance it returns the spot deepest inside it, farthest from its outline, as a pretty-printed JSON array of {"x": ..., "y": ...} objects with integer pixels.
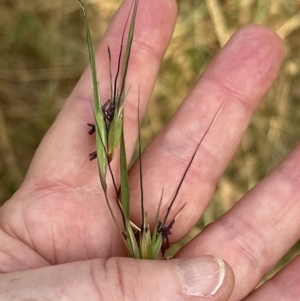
[{"x": 43, "y": 52}]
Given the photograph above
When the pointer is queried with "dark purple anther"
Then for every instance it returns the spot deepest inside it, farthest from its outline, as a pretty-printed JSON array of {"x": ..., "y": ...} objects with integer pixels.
[{"x": 93, "y": 128}]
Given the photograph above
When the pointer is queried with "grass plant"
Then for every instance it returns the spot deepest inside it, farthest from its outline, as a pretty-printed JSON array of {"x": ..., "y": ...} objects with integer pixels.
[{"x": 141, "y": 242}]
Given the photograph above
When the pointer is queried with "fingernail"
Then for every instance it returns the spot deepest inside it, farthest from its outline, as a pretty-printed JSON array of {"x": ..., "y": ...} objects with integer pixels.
[{"x": 202, "y": 276}]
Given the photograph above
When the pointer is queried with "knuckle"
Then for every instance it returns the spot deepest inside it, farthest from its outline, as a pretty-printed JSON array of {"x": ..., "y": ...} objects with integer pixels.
[{"x": 117, "y": 279}]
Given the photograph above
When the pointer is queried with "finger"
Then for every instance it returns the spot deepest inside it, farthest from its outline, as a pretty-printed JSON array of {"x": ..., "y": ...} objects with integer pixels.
[
  {"x": 259, "y": 229},
  {"x": 123, "y": 279},
  {"x": 239, "y": 76},
  {"x": 283, "y": 286},
  {"x": 63, "y": 155}
]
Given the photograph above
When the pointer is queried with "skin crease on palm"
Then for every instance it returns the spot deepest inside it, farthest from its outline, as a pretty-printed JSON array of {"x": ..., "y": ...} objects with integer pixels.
[{"x": 57, "y": 237}]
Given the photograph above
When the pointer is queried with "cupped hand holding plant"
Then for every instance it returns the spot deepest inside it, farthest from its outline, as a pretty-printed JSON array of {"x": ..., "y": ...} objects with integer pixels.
[{"x": 58, "y": 240}]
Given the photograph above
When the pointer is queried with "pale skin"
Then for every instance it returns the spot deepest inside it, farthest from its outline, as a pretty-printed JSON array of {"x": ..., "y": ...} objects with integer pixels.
[{"x": 57, "y": 237}]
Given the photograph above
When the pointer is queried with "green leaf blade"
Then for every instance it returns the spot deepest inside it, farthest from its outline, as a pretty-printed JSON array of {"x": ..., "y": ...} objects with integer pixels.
[{"x": 125, "y": 196}]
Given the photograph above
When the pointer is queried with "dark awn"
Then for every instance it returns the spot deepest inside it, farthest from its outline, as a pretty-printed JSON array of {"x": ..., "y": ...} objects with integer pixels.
[{"x": 163, "y": 228}]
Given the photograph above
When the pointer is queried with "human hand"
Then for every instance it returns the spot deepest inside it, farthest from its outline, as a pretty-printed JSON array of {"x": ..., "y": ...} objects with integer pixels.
[{"x": 57, "y": 237}]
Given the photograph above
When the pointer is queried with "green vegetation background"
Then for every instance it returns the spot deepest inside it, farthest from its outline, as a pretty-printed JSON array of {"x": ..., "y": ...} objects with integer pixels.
[{"x": 43, "y": 53}]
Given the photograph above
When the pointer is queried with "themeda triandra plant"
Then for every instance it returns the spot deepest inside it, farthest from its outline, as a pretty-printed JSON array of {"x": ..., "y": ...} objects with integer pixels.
[{"x": 141, "y": 241}]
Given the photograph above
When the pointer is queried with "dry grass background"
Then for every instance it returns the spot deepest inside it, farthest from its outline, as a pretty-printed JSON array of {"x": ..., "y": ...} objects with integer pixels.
[{"x": 43, "y": 52}]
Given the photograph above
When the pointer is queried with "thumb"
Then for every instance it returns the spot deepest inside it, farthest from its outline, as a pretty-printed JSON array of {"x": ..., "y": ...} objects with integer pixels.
[
  {"x": 185, "y": 279},
  {"x": 123, "y": 279}
]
